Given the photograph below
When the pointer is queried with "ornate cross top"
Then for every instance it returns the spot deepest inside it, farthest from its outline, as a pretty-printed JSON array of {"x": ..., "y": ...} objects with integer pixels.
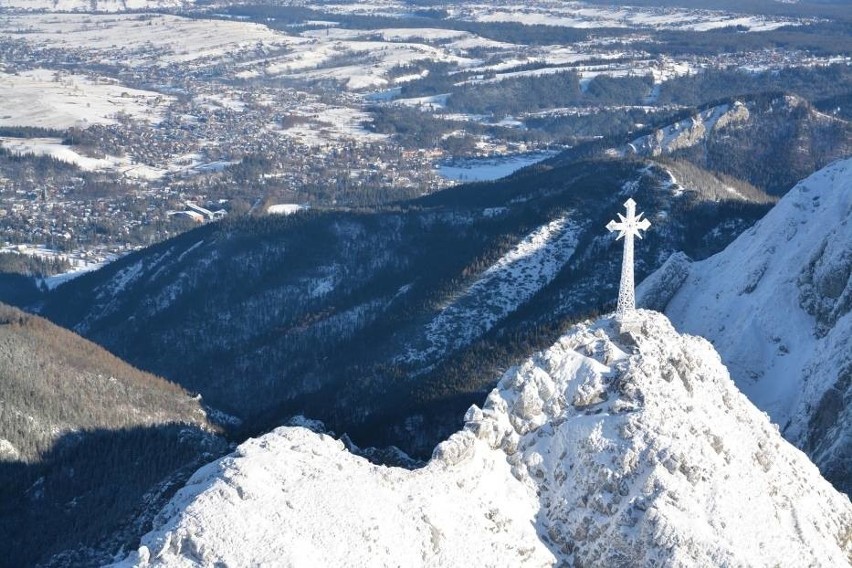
[{"x": 629, "y": 227}]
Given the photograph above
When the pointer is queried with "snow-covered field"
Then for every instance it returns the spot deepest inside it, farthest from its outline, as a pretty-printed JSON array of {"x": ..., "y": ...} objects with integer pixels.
[
  {"x": 158, "y": 39},
  {"x": 485, "y": 169},
  {"x": 55, "y": 99},
  {"x": 330, "y": 124},
  {"x": 579, "y": 15},
  {"x": 285, "y": 208},
  {"x": 545, "y": 12},
  {"x": 359, "y": 59},
  {"x": 54, "y": 148},
  {"x": 575, "y": 14},
  {"x": 93, "y": 5},
  {"x": 371, "y": 60},
  {"x": 80, "y": 261},
  {"x": 596, "y": 452},
  {"x": 151, "y": 39},
  {"x": 52, "y": 282},
  {"x": 126, "y": 165}
]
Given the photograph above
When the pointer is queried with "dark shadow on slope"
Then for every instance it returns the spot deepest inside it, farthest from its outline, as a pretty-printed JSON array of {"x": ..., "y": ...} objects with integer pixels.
[
  {"x": 18, "y": 290},
  {"x": 833, "y": 454},
  {"x": 95, "y": 492},
  {"x": 232, "y": 311}
]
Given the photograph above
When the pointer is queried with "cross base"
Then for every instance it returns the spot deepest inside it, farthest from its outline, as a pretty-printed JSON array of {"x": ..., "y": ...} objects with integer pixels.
[{"x": 629, "y": 323}]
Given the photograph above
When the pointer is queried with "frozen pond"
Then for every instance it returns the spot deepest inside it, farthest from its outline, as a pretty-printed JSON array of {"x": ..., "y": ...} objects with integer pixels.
[{"x": 487, "y": 169}]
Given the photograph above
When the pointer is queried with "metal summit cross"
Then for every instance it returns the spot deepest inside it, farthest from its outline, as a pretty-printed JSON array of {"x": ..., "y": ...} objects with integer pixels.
[{"x": 629, "y": 227}]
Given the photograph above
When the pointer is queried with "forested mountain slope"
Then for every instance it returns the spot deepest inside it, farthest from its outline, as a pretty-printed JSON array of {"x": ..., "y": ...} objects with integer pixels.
[
  {"x": 770, "y": 141},
  {"x": 86, "y": 442},
  {"x": 776, "y": 304},
  {"x": 387, "y": 324}
]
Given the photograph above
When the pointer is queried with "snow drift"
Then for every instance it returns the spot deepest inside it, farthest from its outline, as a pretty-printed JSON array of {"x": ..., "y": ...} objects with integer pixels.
[
  {"x": 776, "y": 304},
  {"x": 604, "y": 450}
]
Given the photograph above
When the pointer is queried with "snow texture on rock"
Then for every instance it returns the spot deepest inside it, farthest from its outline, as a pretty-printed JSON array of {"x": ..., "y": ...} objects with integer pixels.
[
  {"x": 604, "y": 450},
  {"x": 776, "y": 305},
  {"x": 657, "y": 290},
  {"x": 690, "y": 131}
]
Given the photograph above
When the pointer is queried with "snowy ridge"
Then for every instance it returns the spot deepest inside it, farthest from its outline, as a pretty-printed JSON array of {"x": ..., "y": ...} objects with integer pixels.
[
  {"x": 776, "y": 304},
  {"x": 690, "y": 131},
  {"x": 603, "y": 450},
  {"x": 532, "y": 264}
]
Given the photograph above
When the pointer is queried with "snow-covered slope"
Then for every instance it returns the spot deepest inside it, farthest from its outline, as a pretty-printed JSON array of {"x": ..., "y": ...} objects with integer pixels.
[
  {"x": 512, "y": 280},
  {"x": 776, "y": 304},
  {"x": 603, "y": 450}
]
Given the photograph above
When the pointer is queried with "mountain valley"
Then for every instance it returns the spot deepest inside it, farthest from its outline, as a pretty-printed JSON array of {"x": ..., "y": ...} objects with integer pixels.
[
  {"x": 266, "y": 300},
  {"x": 372, "y": 322}
]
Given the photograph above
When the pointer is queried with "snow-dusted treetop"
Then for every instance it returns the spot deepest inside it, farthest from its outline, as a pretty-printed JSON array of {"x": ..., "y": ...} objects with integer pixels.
[
  {"x": 592, "y": 453},
  {"x": 628, "y": 227}
]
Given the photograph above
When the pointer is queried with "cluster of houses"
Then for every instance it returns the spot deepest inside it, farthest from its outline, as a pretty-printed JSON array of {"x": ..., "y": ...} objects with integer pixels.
[{"x": 266, "y": 139}]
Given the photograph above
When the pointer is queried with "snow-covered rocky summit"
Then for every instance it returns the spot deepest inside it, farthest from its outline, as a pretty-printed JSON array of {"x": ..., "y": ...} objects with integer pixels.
[
  {"x": 604, "y": 450},
  {"x": 777, "y": 304}
]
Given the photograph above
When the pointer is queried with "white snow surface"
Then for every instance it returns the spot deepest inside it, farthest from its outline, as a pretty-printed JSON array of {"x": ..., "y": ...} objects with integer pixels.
[
  {"x": 487, "y": 169},
  {"x": 56, "y": 280},
  {"x": 144, "y": 39},
  {"x": 285, "y": 208},
  {"x": 55, "y": 99},
  {"x": 580, "y": 15},
  {"x": 603, "y": 450},
  {"x": 775, "y": 303},
  {"x": 54, "y": 148}
]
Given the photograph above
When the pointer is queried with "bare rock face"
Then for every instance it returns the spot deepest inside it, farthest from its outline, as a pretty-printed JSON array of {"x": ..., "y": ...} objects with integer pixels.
[
  {"x": 785, "y": 135},
  {"x": 736, "y": 113},
  {"x": 825, "y": 283}
]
